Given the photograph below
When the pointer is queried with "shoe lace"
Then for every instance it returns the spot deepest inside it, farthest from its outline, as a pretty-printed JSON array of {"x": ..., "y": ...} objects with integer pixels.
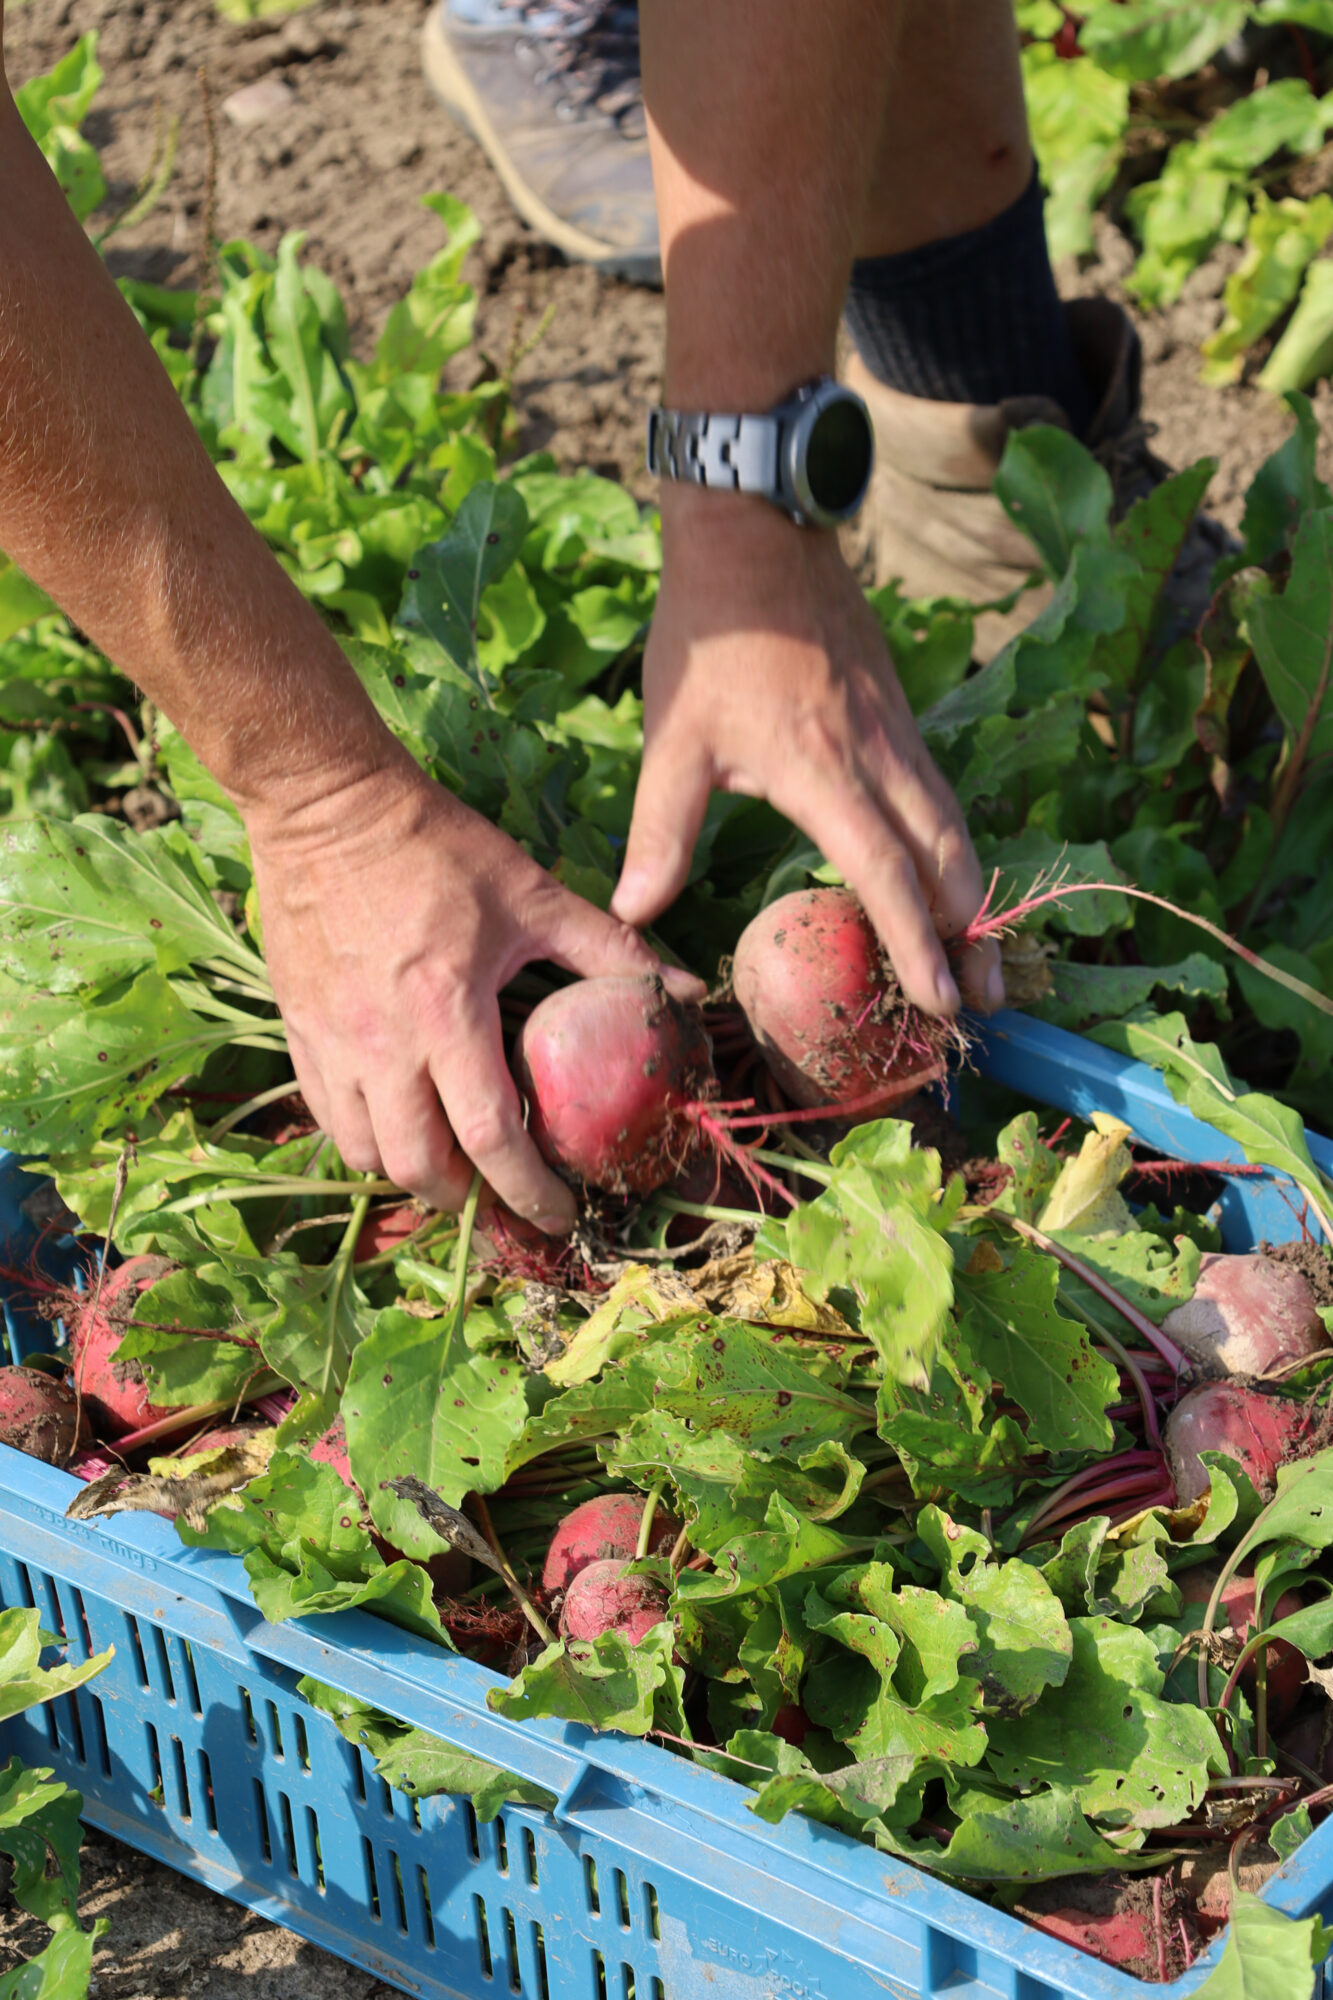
[{"x": 590, "y": 53}]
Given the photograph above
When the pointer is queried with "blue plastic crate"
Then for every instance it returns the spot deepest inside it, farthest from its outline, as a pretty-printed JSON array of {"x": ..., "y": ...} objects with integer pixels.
[{"x": 650, "y": 1879}]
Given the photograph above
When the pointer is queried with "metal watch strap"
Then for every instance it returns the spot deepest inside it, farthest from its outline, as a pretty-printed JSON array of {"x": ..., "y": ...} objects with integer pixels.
[{"x": 710, "y": 448}]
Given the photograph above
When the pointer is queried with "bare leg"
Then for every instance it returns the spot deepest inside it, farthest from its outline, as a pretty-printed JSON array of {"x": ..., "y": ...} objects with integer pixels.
[
  {"x": 954, "y": 149},
  {"x": 764, "y": 675}
]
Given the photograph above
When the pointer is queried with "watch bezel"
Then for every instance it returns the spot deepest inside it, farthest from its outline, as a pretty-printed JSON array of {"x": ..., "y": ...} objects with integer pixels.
[{"x": 799, "y": 418}]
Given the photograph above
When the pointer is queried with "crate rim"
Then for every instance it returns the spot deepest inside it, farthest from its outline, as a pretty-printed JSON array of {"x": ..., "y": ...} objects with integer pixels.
[{"x": 422, "y": 1683}]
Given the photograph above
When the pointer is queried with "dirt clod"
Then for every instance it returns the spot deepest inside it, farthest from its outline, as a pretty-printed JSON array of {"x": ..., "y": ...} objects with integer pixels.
[{"x": 1312, "y": 1260}]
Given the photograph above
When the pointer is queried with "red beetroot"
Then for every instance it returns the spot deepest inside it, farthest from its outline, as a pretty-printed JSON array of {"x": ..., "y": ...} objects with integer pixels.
[
  {"x": 114, "y": 1392},
  {"x": 331, "y": 1449},
  {"x": 792, "y": 1724},
  {"x": 38, "y": 1414},
  {"x": 1257, "y": 1431},
  {"x": 602, "y": 1598},
  {"x": 608, "y": 1067},
  {"x": 602, "y": 1530},
  {"x": 1120, "y": 1937},
  {"x": 1249, "y": 1316},
  {"x": 385, "y": 1229},
  {"x": 1285, "y": 1665},
  {"x": 825, "y": 1007}
]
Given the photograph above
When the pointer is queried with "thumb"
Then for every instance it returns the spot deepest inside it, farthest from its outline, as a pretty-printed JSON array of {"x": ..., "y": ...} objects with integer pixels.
[
  {"x": 669, "y": 808},
  {"x": 584, "y": 940}
]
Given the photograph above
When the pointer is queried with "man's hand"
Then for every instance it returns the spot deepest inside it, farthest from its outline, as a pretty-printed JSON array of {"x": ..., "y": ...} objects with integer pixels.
[
  {"x": 392, "y": 916},
  {"x": 767, "y": 674}
]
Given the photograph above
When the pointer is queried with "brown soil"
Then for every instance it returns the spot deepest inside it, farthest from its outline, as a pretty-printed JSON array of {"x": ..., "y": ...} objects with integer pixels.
[
  {"x": 1163, "y": 1918},
  {"x": 347, "y": 162},
  {"x": 170, "y": 1939},
  {"x": 1312, "y": 1260}
]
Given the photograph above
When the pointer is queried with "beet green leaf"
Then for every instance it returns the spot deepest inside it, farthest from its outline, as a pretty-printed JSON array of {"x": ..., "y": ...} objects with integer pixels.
[
  {"x": 421, "y": 1405},
  {"x": 1106, "y": 1737},
  {"x": 419, "y": 1764}
]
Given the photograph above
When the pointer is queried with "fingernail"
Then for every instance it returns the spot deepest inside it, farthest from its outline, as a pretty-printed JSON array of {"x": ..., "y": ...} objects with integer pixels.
[
  {"x": 554, "y": 1225},
  {"x": 995, "y": 993},
  {"x": 946, "y": 993}
]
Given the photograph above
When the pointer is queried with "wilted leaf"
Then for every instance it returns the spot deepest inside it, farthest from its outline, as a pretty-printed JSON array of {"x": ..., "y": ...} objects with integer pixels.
[
  {"x": 1086, "y": 1200},
  {"x": 183, "y": 1489}
]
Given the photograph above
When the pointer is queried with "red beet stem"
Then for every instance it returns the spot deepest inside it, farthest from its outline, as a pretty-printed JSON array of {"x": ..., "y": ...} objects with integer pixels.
[
  {"x": 905, "y": 1086},
  {"x": 1140, "y": 1322}
]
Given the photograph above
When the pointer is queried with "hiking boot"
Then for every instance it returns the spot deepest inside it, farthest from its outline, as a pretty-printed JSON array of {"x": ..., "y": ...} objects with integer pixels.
[
  {"x": 550, "y": 90},
  {"x": 931, "y": 520}
]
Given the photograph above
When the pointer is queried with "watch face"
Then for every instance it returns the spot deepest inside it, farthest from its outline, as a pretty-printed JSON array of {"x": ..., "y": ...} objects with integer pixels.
[{"x": 838, "y": 456}]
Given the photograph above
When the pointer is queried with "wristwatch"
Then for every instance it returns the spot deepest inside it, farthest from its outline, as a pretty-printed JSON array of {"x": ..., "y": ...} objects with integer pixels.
[{"x": 811, "y": 455}]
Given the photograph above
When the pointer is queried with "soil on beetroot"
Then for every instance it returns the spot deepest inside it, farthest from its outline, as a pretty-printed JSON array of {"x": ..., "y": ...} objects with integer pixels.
[
  {"x": 346, "y": 159},
  {"x": 1312, "y": 1260}
]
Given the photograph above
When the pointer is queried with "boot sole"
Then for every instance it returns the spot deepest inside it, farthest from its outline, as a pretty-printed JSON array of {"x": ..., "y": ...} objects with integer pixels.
[{"x": 451, "y": 84}]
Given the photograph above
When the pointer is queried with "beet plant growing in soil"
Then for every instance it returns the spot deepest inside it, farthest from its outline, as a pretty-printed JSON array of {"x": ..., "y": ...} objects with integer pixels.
[{"x": 945, "y": 1482}]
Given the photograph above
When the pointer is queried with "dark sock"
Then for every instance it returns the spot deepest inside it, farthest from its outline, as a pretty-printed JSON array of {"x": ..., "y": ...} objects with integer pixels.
[{"x": 971, "y": 318}]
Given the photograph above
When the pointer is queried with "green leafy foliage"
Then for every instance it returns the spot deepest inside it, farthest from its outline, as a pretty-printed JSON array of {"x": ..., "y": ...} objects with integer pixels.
[
  {"x": 306, "y": 1550},
  {"x": 1145, "y": 38},
  {"x": 53, "y": 107},
  {"x": 39, "y": 1822},
  {"x": 1108, "y": 1739},
  {"x": 882, "y": 1195},
  {"x": 1079, "y": 114},
  {"x": 1283, "y": 237},
  {"x": 450, "y": 1418},
  {"x": 1267, "y": 1956},
  {"x": 1305, "y": 351},
  {"x": 1087, "y": 95},
  {"x": 1292, "y": 636},
  {"x": 604, "y": 1683},
  {"x": 420, "y": 1764},
  {"x": 856, "y": 1477}
]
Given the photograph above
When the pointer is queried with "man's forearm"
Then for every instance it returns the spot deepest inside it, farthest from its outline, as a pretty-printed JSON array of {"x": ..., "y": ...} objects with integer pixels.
[
  {"x": 108, "y": 500},
  {"x": 765, "y": 118}
]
